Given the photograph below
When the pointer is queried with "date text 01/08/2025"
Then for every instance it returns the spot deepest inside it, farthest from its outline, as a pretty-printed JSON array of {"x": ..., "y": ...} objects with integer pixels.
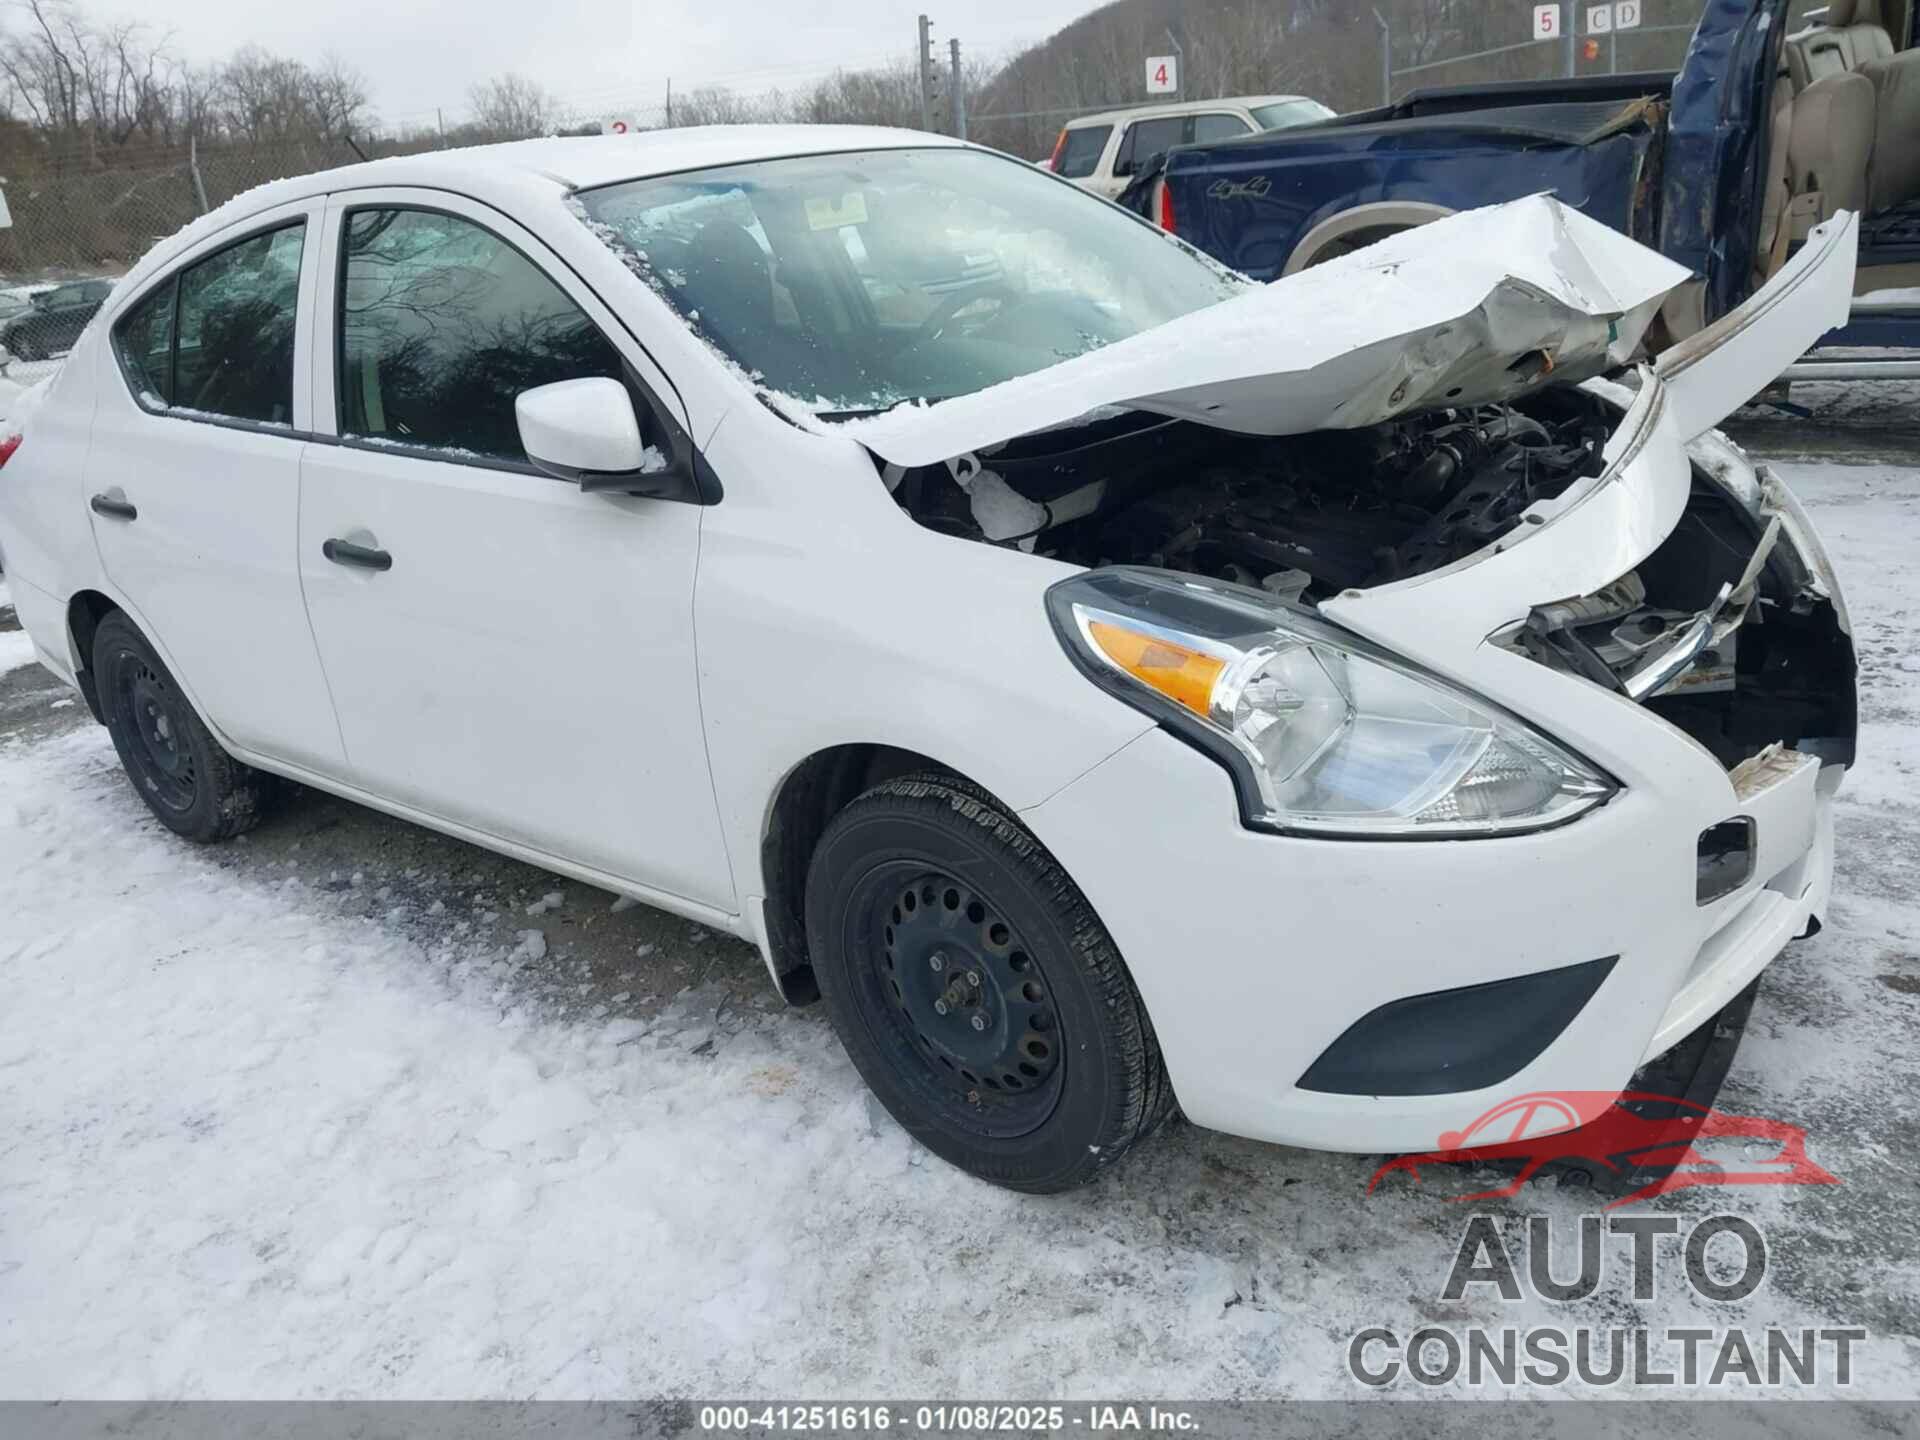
[{"x": 944, "y": 1418}]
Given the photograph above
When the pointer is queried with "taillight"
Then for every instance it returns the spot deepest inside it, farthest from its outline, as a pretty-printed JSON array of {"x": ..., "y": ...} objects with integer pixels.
[
  {"x": 1166, "y": 207},
  {"x": 8, "y": 445},
  {"x": 1053, "y": 160}
]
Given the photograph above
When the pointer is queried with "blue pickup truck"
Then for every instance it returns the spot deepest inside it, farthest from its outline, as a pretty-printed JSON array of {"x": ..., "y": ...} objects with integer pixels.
[{"x": 1725, "y": 166}]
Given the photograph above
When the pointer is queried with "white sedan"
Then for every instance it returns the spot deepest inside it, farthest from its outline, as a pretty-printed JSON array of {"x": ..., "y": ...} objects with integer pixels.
[{"x": 1333, "y": 706}]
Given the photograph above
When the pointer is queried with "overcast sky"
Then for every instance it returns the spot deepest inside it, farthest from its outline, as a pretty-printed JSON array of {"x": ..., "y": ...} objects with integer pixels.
[{"x": 419, "y": 54}]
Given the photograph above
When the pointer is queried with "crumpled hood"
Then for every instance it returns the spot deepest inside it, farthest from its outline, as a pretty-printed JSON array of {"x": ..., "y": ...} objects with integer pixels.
[{"x": 1479, "y": 308}]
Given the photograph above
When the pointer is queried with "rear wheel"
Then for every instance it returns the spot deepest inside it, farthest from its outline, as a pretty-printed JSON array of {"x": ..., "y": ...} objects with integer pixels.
[
  {"x": 976, "y": 991},
  {"x": 193, "y": 786}
]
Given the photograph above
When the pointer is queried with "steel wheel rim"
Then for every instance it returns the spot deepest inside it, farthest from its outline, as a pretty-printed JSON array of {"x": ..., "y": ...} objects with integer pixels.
[
  {"x": 154, "y": 719},
  {"x": 956, "y": 995}
]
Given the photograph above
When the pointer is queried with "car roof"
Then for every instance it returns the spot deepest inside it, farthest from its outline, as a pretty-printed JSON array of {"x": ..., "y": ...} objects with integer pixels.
[
  {"x": 1180, "y": 107},
  {"x": 519, "y": 170}
]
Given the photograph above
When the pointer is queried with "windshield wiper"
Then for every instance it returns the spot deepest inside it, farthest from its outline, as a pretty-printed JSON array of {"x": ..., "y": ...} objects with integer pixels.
[{"x": 869, "y": 413}]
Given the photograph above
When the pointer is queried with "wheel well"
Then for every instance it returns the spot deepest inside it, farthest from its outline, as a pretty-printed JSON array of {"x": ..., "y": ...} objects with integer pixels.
[
  {"x": 1349, "y": 230},
  {"x": 814, "y": 791},
  {"x": 85, "y": 611},
  {"x": 1350, "y": 241}
]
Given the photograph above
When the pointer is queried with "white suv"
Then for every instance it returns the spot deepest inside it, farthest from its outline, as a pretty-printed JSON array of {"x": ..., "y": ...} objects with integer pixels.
[{"x": 1102, "y": 152}]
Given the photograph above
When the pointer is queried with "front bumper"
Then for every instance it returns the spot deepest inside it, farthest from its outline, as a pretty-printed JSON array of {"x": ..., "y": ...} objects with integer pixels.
[{"x": 1255, "y": 952}]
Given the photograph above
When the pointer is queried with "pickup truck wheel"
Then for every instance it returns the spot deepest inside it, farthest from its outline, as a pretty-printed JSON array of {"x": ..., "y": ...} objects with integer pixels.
[
  {"x": 1350, "y": 242},
  {"x": 192, "y": 786},
  {"x": 976, "y": 991}
]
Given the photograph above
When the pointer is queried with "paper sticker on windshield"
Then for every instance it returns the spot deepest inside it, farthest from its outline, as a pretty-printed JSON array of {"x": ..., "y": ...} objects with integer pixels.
[{"x": 824, "y": 214}]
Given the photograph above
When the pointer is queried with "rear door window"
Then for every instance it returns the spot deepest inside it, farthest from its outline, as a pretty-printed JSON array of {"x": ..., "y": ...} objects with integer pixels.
[
  {"x": 218, "y": 337},
  {"x": 1147, "y": 138},
  {"x": 233, "y": 346},
  {"x": 1080, "y": 156}
]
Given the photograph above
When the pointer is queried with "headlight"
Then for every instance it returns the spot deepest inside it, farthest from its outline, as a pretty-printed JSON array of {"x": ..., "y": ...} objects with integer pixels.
[{"x": 1322, "y": 731}]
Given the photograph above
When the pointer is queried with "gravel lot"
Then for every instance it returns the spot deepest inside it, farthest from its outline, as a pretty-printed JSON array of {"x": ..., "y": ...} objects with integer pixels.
[{"x": 351, "y": 1109}]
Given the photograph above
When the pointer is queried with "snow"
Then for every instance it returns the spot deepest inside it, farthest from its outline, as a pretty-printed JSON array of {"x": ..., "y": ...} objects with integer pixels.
[
  {"x": 21, "y": 401},
  {"x": 16, "y": 647},
  {"x": 255, "y": 1145},
  {"x": 1887, "y": 300}
]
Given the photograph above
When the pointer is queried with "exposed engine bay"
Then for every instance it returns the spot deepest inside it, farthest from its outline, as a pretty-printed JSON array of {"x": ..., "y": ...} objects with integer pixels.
[
  {"x": 1305, "y": 516},
  {"x": 1721, "y": 609}
]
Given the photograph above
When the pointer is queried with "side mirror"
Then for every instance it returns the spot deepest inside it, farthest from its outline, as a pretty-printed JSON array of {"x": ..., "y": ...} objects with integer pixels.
[
  {"x": 1123, "y": 167},
  {"x": 585, "y": 432}
]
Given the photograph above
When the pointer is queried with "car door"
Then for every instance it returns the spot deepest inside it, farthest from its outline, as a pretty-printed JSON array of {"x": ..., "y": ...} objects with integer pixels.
[
  {"x": 521, "y": 662},
  {"x": 193, "y": 481}
]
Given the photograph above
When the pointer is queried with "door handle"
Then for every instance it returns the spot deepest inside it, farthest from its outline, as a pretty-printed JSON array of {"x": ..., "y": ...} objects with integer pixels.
[
  {"x": 362, "y": 557},
  {"x": 114, "y": 505}
]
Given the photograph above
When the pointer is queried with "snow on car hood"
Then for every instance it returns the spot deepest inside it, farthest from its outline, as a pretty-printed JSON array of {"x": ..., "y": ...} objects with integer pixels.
[{"x": 1478, "y": 308}]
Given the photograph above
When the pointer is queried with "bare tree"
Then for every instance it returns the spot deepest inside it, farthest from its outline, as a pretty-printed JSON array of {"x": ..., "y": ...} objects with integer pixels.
[
  {"x": 338, "y": 98},
  {"x": 717, "y": 105},
  {"x": 512, "y": 107},
  {"x": 886, "y": 96}
]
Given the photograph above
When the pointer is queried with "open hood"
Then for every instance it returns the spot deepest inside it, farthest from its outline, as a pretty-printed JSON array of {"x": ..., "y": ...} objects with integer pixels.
[{"x": 1479, "y": 308}]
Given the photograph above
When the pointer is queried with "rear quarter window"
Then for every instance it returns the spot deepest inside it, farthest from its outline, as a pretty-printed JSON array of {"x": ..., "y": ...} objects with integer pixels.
[
  {"x": 145, "y": 342},
  {"x": 1080, "y": 156},
  {"x": 1208, "y": 128}
]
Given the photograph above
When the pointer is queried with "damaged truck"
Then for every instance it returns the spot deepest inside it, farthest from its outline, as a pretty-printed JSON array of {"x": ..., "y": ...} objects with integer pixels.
[{"x": 1725, "y": 166}]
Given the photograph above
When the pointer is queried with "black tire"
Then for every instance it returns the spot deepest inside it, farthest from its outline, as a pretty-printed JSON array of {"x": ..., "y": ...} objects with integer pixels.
[
  {"x": 192, "y": 786},
  {"x": 1063, "y": 1076}
]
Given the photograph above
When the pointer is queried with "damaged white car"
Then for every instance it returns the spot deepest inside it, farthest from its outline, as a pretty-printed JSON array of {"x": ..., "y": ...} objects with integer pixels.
[{"x": 1330, "y": 707}]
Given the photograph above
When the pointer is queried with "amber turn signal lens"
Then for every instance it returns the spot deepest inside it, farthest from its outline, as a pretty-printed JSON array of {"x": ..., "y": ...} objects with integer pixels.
[{"x": 1182, "y": 675}]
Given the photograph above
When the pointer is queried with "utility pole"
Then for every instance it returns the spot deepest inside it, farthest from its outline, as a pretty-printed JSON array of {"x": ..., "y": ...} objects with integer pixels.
[
  {"x": 669, "y": 102},
  {"x": 1571, "y": 30},
  {"x": 1386, "y": 57},
  {"x": 926, "y": 73},
  {"x": 193, "y": 169},
  {"x": 1181, "y": 54},
  {"x": 956, "y": 91}
]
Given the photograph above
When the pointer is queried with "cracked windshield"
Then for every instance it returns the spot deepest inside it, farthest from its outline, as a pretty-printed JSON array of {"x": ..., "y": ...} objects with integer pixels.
[{"x": 854, "y": 283}]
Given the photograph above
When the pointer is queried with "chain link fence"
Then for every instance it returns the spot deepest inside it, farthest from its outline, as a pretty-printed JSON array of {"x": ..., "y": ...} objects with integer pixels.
[{"x": 78, "y": 223}]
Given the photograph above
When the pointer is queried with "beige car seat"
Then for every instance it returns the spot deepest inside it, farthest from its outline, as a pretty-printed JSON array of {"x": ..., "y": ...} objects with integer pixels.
[{"x": 1853, "y": 134}]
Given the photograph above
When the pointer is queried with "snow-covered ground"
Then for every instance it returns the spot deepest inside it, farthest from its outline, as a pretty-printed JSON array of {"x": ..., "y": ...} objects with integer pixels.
[
  {"x": 269, "y": 1130},
  {"x": 16, "y": 649}
]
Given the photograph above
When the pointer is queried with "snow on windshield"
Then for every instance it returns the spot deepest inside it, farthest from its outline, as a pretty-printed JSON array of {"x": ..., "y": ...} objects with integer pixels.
[{"x": 847, "y": 284}]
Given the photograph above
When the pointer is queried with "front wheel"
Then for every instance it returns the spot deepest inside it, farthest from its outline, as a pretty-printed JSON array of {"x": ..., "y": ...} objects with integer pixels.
[
  {"x": 976, "y": 991},
  {"x": 193, "y": 786}
]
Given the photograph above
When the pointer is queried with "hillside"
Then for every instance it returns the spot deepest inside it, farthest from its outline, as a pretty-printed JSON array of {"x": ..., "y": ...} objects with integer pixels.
[{"x": 1330, "y": 50}]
